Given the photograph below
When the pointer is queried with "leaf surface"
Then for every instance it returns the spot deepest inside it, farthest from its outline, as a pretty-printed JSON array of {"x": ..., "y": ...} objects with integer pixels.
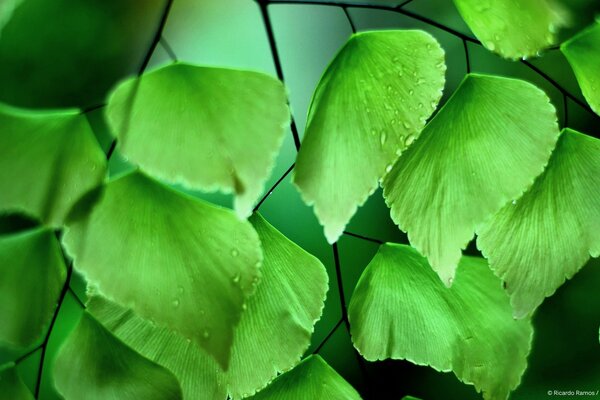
[
  {"x": 32, "y": 274},
  {"x": 583, "y": 53},
  {"x": 514, "y": 28},
  {"x": 207, "y": 128},
  {"x": 95, "y": 365},
  {"x": 483, "y": 149},
  {"x": 548, "y": 234},
  {"x": 312, "y": 379},
  {"x": 401, "y": 310},
  {"x": 291, "y": 291},
  {"x": 370, "y": 104},
  {"x": 170, "y": 257},
  {"x": 48, "y": 160}
]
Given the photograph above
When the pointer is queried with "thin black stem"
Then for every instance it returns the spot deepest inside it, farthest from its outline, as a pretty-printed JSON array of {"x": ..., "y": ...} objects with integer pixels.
[
  {"x": 467, "y": 58},
  {"x": 275, "y": 55},
  {"x": 26, "y": 355},
  {"x": 349, "y": 18},
  {"x": 165, "y": 44},
  {"x": 329, "y": 335},
  {"x": 111, "y": 149},
  {"x": 356, "y": 235},
  {"x": 338, "y": 273},
  {"x": 286, "y": 173},
  {"x": 407, "y": 2},
  {"x": 92, "y": 108},
  {"x": 157, "y": 36},
  {"x": 76, "y": 297},
  {"x": 44, "y": 345}
]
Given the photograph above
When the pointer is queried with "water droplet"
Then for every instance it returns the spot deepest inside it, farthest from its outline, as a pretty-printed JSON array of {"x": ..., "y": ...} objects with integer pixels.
[
  {"x": 409, "y": 140},
  {"x": 244, "y": 306},
  {"x": 450, "y": 280},
  {"x": 514, "y": 202},
  {"x": 399, "y": 151},
  {"x": 206, "y": 334},
  {"x": 406, "y": 125},
  {"x": 389, "y": 88},
  {"x": 393, "y": 122},
  {"x": 396, "y": 59},
  {"x": 202, "y": 312},
  {"x": 175, "y": 302},
  {"x": 411, "y": 92},
  {"x": 188, "y": 340},
  {"x": 420, "y": 105},
  {"x": 235, "y": 252},
  {"x": 388, "y": 168},
  {"x": 383, "y": 138},
  {"x": 236, "y": 278},
  {"x": 490, "y": 45},
  {"x": 180, "y": 289}
]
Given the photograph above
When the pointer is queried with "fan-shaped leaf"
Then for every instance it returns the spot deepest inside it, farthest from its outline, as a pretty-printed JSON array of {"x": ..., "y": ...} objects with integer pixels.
[
  {"x": 514, "y": 28},
  {"x": 484, "y": 148},
  {"x": 95, "y": 365},
  {"x": 312, "y": 379},
  {"x": 208, "y": 128},
  {"x": 171, "y": 258},
  {"x": 291, "y": 292},
  {"x": 370, "y": 104},
  {"x": 583, "y": 53},
  {"x": 401, "y": 310},
  {"x": 32, "y": 274},
  {"x": 47, "y": 161},
  {"x": 546, "y": 236},
  {"x": 11, "y": 385},
  {"x": 66, "y": 53}
]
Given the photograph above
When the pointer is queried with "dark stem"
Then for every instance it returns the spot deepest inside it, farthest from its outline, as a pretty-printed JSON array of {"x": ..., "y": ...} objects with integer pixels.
[
  {"x": 349, "y": 18},
  {"x": 286, "y": 173},
  {"x": 165, "y": 44},
  {"x": 77, "y": 299},
  {"x": 338, "y": 273},
  {"x": 467, "y": 58},
  {"x": 157, "y": 36},
  {"x": 275, "y": 55},
  {"x": 407, "y": 2},
  {"x": 329, "y": 335},
  {"x": 111, "y": 149},
  {"x": 30, "y": 352},
  {"x": 356, "y": 235}
]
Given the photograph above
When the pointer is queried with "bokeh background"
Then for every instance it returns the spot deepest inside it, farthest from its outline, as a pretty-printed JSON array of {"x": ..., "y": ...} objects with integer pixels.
[{"x": 231, "y": 33}]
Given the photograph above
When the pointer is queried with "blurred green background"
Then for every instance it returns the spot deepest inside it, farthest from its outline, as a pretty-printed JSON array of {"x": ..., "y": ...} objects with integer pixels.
[{"x": 566, "y": 351}]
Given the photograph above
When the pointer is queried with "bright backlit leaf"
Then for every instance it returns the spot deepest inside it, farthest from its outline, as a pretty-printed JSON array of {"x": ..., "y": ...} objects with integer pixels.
[
  {"x": 207, "y": 128},
  {"x": 514, "y": 28},
  {"x": 401, "y": 310},
  {"x": 11, "y": 385},
  {"x": 583, "y": 53},
  {"x": 170, "y": 257},
  {"x": 291, "y": 292},
  {"x": 95, "y": 365},
  {"x": 549, "y": 233},
  {"x": 483, "y": 149},
  {"x": 312, "y": 379},
  {"x": 32, "y": 274},
  {"x": 65, "y": 53},
  {"x": 371, "y": 103},
  {"x": 48, "y": 160}
]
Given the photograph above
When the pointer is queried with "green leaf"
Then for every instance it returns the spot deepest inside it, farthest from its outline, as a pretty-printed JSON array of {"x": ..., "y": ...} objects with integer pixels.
[
  {"x": 7, "y": 8},
  {"x": 552, "y": 230},
  {"x": 483, "y": 149},
  {"x": 48, "y": 160},
  {"x": 32, "y": 274},
  {"x": 583, "y": 53},
  {"x": 514, "y": 28},
  {"x": 74, "y": 60},
  {"x": 291, "y": 292},
  {"x": 172, "y": 258},
  {"x": 312, "y": 379},
  {"x": 94, "y": 364},
  {"x": 207, "y": 128},
  {"x": 401, "y": 310},
  {"x": 370, "y": 104},
  {"x": 11, "y": 385}
]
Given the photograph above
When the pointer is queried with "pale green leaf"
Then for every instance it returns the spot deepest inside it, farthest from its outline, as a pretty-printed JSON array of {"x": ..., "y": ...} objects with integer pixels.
[
  {"x": 172, "y": 258},
  {"x": 32, "y": 274},
  {"x": 547, "y": 235},
  {"x": 11, "y": 385},
  {"x": 312, "y": 379},
  {"x": 370, "y": 104},
  {"x": 583, "y": 53},
  {"x": 48, "y": 160},
  {"x": 483, "y": 149},
  {"x": 514, "y": 28},
  {"x": 291, "y": 291},
  {"x": 401, "y": 310},
  {"x": 94, "y": 365},
  {"x": 207, "y": 128}
]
